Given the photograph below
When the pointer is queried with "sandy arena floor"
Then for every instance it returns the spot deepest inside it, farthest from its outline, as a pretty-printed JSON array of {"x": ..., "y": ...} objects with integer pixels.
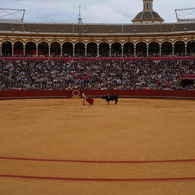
[{"x": 59, "y": 146}]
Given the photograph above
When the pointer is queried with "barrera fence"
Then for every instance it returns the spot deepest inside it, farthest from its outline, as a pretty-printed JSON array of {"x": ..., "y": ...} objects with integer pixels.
[{"x": 32, "y": 94}]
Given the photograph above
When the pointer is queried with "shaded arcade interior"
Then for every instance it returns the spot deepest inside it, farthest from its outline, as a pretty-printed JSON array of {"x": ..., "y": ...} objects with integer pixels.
[{"x": 103, "y": 49}]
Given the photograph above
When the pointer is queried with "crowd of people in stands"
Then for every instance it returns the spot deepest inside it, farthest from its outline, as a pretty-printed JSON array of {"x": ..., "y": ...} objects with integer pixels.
[{"x": 60, "y": 75}]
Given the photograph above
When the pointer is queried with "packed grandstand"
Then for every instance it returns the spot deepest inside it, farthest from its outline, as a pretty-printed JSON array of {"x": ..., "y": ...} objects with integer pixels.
[{"x": 101, "y": 75}]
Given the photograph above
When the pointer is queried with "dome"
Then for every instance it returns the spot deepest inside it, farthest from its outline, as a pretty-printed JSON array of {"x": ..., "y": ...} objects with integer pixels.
[{"x": 148, "y": 16}]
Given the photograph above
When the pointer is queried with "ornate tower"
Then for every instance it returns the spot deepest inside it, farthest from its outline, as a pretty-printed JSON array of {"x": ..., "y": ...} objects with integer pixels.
[{"x": 147, "y": 15}]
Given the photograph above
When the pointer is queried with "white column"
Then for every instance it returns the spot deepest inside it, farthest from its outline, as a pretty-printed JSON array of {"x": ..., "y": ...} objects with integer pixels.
[
  {"x": 98, "y": 51},
  {"x": 60, "y": 50},
  {"x": 186, "y": 47},
  {"x": 73, "y": 54},
  {"x": 37, "y": 50},
  {"x": 85, "y": 50},
  {"x": 147, "y": 51},
  {"x": 122, "y": 51}
]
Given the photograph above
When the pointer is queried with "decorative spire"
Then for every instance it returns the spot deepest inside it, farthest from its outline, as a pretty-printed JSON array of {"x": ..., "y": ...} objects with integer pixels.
[{"x": 79, "y": 18}]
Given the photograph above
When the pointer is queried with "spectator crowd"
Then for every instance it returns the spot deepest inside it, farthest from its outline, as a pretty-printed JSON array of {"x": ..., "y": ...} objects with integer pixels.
[{"x": 60, "y": 75}]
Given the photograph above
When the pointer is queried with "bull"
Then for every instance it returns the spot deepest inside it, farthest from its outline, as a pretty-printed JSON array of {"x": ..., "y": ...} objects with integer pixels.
[{"x": 109, "y": 98}]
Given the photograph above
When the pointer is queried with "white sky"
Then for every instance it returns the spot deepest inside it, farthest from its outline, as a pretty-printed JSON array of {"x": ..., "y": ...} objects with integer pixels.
[{"x": 94, "y": 11}]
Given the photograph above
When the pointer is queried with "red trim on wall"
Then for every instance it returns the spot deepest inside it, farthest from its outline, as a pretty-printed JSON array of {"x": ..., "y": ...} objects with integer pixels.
[
  {"x": 188, "y": 77},
  {"x": 98, "y": 58},
  {"x": 178, "y": 94}
]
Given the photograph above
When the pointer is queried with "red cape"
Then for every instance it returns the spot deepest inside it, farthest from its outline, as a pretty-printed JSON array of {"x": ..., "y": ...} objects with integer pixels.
[{"x": 90, "y": 100}]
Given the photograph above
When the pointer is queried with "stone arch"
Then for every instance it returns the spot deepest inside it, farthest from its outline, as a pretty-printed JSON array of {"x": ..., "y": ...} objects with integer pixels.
[
  {"x": 6, "y": 48},
  {"x": 104, "y": 49},
  {"x": 166, "y": 49},
  {"x": 23, "y": 43},
  {"x": 141, "y": 49},
  {"x": 92, "y": 49},
  {"x": 67, "y": 49},
  {"x": 79, "y": 49},
  {"x": 55, "y": 49},
  {"x": 128, "y": 49},
  {"x": 43, "y": 48},
  {"x": 154, "y": 48},
  {"x": 191, "y": 48},
  {"x": 179, "y": 48},
  {"x": 30, "y": 48},
  {"x": 116, "y": 49},
  {"x": 18, "y": 48}
]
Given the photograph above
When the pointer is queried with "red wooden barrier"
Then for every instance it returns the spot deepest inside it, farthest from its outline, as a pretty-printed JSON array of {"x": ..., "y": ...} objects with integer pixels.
[
  {"x": 15, "y": 94},
  {"x": 38, "y": 58}
]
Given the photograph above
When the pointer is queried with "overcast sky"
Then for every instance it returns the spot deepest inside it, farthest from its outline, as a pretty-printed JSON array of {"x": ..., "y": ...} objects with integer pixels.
[{"x": 94, "y": 11}]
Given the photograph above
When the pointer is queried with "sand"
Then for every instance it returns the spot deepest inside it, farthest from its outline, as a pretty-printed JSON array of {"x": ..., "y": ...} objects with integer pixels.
[{"x": 59, "y": 146}]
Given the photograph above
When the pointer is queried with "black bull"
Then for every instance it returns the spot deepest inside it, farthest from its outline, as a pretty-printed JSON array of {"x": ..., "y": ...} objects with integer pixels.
[{"x": 109, "y": 98}]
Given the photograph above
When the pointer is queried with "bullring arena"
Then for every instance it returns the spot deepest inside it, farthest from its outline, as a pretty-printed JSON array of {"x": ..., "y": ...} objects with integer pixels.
[
  {"x": 59, "y": 146},
  {"x": 51, "y": 143}
]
